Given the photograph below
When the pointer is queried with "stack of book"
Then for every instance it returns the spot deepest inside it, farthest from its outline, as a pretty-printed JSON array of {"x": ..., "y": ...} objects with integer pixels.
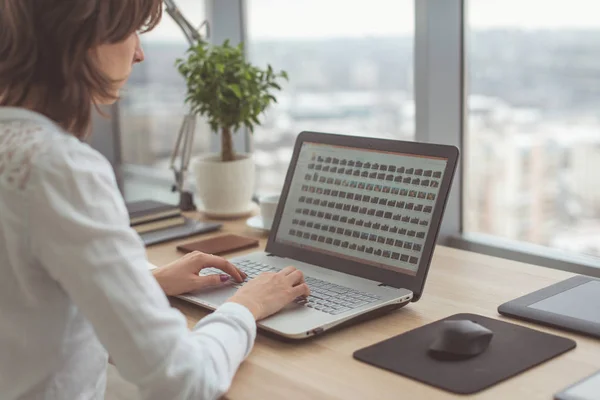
[{"x": 149, "y": 216}]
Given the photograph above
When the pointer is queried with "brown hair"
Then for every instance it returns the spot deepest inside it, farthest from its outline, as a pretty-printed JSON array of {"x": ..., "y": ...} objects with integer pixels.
[{"x": 45, "y": 57}]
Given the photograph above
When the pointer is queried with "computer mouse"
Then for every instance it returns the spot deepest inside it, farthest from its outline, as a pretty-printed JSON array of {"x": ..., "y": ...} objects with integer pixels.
[{"x": 459, "y": 340}]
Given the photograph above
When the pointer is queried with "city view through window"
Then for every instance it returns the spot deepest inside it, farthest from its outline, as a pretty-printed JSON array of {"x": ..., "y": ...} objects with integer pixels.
[
  {"x": 532, "y": 148},
  {"x": 532, "y": 144}
]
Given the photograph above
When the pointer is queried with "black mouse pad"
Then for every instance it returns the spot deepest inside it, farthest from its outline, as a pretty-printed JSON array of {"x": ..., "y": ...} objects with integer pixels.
[{"x": 512, "y": 350}]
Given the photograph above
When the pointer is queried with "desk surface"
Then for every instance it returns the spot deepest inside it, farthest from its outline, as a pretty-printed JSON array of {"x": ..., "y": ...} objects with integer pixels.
[{"x": 458, "y": 282}]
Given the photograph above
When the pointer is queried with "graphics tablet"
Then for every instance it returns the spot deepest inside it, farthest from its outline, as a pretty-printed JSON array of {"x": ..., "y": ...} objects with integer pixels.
[
  {"x": 571, "y": 305},
  {"x": 586, "y": 389}
]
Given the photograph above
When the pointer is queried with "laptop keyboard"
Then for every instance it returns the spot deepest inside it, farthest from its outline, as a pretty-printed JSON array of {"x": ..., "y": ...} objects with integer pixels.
[{"x": 325, "y": 296}]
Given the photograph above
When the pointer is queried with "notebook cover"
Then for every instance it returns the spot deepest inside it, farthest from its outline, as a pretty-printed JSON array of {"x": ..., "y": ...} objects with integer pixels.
[
  {"x": 513, "y": 349},
  {"x": 148, "y": 210},
  {"x": 190, "y": 228},
  {"x": 220, "y": 244},
  {"x": 159, "y": 225}
]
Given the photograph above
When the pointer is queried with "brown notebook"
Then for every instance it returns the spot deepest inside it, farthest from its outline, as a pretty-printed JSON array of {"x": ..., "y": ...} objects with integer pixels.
[{"x": 219, "y": 245}]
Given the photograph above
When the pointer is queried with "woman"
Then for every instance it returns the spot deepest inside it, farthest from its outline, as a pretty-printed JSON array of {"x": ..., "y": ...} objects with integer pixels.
[{"x": 74, "y": 278}]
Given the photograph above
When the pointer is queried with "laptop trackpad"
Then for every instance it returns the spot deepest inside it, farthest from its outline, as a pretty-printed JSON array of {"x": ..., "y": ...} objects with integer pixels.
[
  {"x": 295, "y": 320},
  {"x": 211, "y": 298}
]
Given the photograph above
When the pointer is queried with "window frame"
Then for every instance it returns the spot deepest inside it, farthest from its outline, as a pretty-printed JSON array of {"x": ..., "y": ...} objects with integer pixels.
[{"x": 439, "y": 83}]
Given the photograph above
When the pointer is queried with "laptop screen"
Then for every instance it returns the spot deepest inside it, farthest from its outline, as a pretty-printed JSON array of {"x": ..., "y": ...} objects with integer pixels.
[{"x": 369, "y": 206}]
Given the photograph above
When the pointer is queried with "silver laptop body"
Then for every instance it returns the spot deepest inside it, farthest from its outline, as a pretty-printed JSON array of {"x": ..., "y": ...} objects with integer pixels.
[{"x": 359, "y": 217}]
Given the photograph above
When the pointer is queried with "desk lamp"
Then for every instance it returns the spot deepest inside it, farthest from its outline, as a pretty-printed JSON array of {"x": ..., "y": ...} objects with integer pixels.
[{"x": 185, "y": 138}]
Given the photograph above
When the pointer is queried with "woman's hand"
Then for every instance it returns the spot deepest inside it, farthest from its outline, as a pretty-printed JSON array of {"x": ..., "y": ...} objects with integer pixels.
[
  {"x": 271, "y": 291},
  {"x": 181, "y": 276}
]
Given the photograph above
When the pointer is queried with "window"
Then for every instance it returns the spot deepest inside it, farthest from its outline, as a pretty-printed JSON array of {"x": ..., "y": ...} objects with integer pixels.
[
  {"x": 152, "y": 105},
  {"x": 533, "y": 123},
  {"x": 351, "y": 71}
]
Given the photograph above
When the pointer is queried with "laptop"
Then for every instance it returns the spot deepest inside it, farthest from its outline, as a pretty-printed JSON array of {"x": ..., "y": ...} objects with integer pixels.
[{"x": 360, "y": 218}]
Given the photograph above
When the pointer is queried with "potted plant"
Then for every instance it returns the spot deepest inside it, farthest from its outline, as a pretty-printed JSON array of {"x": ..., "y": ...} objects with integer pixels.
[{"x": 231, "y": 93}]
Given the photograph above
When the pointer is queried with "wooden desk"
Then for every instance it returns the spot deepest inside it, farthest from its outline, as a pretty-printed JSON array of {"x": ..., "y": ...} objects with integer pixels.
[{"x": 458, "y": 282}]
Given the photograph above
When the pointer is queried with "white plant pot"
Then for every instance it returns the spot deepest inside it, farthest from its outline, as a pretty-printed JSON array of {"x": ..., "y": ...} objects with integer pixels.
[{"x": 225, "y": 189}]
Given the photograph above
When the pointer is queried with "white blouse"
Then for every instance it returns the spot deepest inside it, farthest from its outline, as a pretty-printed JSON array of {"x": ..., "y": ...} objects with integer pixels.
[{"x": 74, "y": 283}]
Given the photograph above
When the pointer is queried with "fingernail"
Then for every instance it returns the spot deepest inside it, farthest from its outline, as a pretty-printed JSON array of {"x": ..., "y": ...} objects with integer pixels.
[{"x": 224, "y": 278}]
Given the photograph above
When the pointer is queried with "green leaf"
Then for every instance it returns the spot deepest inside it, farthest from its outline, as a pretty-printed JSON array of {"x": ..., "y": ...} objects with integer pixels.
[{"x": 236, "y": 89}]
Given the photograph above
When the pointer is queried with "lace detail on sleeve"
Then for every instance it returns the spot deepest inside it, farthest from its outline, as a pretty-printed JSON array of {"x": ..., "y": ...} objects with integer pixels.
[{"x": 19, "y": 143}]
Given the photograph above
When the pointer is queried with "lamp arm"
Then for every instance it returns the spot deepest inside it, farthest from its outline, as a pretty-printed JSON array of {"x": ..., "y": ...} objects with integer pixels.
[
  {"x": 185, "y": 137},
  {"x": 191, "y": 34}
]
